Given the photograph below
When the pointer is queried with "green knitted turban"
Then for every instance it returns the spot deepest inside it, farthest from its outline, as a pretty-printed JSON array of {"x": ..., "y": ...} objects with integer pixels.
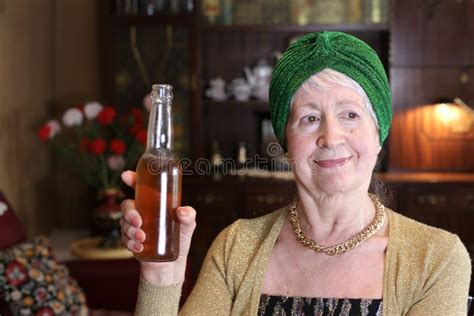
[{"x": 337, "y": 51}]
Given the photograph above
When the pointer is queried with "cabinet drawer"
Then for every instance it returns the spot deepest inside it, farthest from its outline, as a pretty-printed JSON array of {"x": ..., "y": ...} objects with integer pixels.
[
  {"x": 211, "y": 195},
  {"x": 263, "y": 200},
  {"x": 446, "y": 197},
  {"x": 211, "y": 199}
]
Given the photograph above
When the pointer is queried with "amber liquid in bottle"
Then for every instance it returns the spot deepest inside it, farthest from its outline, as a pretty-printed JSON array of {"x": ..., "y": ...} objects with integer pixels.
[{"x": 158, "y": 186}]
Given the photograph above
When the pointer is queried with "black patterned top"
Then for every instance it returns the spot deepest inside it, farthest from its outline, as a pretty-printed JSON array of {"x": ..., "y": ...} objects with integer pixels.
[{"x": 271, "y": 305}]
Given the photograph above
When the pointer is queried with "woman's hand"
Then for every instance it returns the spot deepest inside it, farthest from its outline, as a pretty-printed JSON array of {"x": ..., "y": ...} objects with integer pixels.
[{"x": 159, "y": 273}]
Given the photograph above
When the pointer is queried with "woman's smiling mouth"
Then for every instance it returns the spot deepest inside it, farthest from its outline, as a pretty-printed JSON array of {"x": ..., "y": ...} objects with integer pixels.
[{"x": 331, "y": 163}]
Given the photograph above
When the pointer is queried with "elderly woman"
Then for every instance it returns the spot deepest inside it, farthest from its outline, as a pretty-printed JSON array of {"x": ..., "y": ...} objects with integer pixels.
[{"x": 336, "y": 249}]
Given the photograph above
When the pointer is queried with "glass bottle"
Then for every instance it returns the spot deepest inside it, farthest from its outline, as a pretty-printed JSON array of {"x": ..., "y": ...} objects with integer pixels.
[
  {"x": 241, "y": 156},
  {"x": 158, "y": 184},
  {"x": 216, "y": 161}
]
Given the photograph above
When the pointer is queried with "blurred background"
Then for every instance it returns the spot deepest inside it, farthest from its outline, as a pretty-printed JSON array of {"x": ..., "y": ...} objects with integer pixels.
[{"x": 218, "y": 54}]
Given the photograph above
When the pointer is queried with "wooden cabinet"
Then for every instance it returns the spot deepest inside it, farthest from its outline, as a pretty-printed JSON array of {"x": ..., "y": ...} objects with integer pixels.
[
  {"x": 444, "y": 200},
  {"x": 216, "y": 205},
  {"x": 221, "y": 201},
  {"x": 138, "y": 50},
  {"x": 427, "y": 49},
  {"x": 178, "y": 48},
  {"x": 415, "y": 86},
  {"x": 260, "y": 199},
  {"x": 447, "y": 206},
  {"x": 431, "y": 62},
  {"x": 431, "y": 51},
  {"x": 227, "y": 49},
  {"x": 435, "y": 33}
]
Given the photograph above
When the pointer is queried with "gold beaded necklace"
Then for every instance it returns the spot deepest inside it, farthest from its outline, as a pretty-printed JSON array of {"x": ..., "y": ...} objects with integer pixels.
[{"x": 345, "y": 246}]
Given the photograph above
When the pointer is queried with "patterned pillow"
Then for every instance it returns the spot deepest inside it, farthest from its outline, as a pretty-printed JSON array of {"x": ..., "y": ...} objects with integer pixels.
[{"x": 33, "y": 283}]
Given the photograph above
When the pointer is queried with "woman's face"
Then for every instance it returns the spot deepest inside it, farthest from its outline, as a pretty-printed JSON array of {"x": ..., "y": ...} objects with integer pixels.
[{"x": 332, "y": 140}]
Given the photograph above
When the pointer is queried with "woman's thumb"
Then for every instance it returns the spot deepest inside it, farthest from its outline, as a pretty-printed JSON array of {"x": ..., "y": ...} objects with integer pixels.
[{"x": 187, "y": 218}]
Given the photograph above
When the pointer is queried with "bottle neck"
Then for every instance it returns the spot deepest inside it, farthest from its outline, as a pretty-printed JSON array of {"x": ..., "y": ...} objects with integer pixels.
[{"x": 160, "y": 126}]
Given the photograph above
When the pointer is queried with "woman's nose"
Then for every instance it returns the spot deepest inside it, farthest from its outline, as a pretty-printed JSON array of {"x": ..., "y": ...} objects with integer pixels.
[{"x": 331, "y": 134}]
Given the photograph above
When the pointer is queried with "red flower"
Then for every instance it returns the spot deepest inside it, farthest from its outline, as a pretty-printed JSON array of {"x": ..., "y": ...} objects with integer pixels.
[
  {"x": 97, "y": 146},
  {"x": 45, "y": 311},
  {"x": 137, "y": 116},
  {"x": 123, "y": 120},
  {"x": 43, "y": 132},
  {"x": 107, "y": 115},
  {"x": 134, "y": 130},
  {"x": 141, "y": 136},
  {"x": 117, "y": 146},
  {"x": 16, "y": 273},
  {"x": 83, "y": 145}
]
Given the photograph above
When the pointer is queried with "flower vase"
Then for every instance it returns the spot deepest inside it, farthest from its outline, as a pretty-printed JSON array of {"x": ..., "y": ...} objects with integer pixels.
[{"x": 107, "y": 217}]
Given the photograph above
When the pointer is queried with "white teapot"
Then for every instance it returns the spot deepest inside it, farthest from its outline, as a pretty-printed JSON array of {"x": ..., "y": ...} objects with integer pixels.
[
  {"x": 259, "y": 79},
  {"x": 241, "y": 89},
  {"x": 216, "y": 91}
]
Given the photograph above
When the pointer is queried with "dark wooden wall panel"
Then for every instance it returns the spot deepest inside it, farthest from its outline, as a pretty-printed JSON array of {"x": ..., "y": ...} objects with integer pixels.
[
  {"x": 416, "y": 86},
  {"x": 430, "y": 32}
]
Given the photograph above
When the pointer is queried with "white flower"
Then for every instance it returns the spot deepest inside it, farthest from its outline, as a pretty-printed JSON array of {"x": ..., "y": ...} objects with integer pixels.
[
  {"x": 54, "y": 128},
  {"x": 57, "y": 307},
  {"x": 92, "y": 109},
  {"x": 16, "y": 295},
  {"x": 73, "y": 117},
  {"x": 116, "y": 162},
  {"x": 25, "y": 311},
  {"x": 3, "y": 208}
]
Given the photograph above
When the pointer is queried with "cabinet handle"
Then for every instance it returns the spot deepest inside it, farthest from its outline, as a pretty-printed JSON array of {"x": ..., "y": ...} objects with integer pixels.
[
  {"x": 431, "y": 199},
  {"x": 210, "y": 198},
  {"x": 464, "y": 78},
  {"x": 469, "y": 200},
  {"x": 270, "y": 199}
]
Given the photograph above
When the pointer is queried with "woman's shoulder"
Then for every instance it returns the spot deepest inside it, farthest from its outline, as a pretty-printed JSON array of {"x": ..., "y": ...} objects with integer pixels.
[
  {"x": 252, "y": 232},
  {"x": 258, "y": 226},
  {"x": 414, "y": 240},
  {"x": 421, "y": 259},
  {"x": 407, "y": 229}
]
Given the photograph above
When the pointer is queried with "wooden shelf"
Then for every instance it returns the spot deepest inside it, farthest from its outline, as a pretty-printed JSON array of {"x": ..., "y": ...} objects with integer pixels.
[
  {"x": 251, "y": 104},
  {"x": 184, "y": 19},
  {"x": 427, "y": 177},
  {"x": 382, "y": 27}
]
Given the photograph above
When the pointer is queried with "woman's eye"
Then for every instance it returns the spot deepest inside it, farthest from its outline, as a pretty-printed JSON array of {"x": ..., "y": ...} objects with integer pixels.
[
  {"x": 310, "y": 119},
  {"x": 352, "y": 115}
]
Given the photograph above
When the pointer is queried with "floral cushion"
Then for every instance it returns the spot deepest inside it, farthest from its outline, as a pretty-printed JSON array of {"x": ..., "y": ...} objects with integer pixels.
[{"x": 33, "y": 283}]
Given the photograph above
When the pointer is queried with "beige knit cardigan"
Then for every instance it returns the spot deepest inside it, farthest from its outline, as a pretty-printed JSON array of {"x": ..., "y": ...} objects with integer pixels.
[{"x": 427, "y": 272}]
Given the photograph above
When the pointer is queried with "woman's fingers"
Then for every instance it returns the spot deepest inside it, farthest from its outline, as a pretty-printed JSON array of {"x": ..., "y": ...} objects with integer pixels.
[
  {"x": 130, "y": 213},
  {"x": 133, "y": 233},
  {"x": 132, "y": 236},
  {"x": 129, "y": 178},
  {"x": 187, "y": 218},
  {"x": 131, "y": 245}
]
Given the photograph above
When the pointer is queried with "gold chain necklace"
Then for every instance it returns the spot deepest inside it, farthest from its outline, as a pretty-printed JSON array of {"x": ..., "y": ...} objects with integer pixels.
[{"x": 347, "y": 245}]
